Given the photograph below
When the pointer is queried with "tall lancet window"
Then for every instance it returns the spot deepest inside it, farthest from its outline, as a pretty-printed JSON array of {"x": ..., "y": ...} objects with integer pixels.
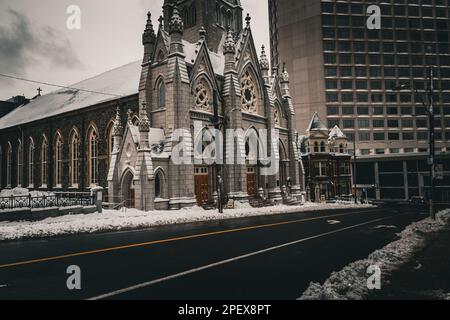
[
  {"x": 74, "y": 158},
  {"x": 31, "y": 164},
  {"x": 8, "y": 165},
  {"x": 161, "y": 94},
  {"x": 58, "y": 160},
  {"x": 44, "y": 162},
  {"x": 93, "y": 156},
  {"x": 19, "y": 164}
]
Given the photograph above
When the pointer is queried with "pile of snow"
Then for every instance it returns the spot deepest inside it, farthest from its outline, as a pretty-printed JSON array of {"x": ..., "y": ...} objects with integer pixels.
[
  {"x": 22, "y": 192},
  {"x": 351, "y": 282},
  {"x": 112, "y": 220}
]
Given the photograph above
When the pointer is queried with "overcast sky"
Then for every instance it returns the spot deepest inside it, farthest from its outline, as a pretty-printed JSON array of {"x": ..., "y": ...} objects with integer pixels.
[{"x": 35, "y": 42}]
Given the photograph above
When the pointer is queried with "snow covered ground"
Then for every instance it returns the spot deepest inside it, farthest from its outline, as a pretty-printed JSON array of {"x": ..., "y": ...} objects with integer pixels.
[
  {"x": 112, "y": 220},
  {"x": 21, "y": 192},
  {"x": 351, "y": 282}
]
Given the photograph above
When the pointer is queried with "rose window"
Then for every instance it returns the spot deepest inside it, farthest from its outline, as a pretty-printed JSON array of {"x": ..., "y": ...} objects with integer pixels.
[{"x": 248, "y": 89}]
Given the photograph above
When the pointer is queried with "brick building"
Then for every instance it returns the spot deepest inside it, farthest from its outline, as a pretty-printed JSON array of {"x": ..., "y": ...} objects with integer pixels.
[{"x": 325, "y": 155}]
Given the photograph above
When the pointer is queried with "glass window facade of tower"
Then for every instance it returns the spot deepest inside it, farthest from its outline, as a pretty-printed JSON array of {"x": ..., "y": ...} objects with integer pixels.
[{"x": 363, "y": 66}]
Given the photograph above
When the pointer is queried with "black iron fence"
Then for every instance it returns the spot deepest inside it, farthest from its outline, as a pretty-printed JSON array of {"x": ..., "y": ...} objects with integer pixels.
[{"x": 56, "y": 199}]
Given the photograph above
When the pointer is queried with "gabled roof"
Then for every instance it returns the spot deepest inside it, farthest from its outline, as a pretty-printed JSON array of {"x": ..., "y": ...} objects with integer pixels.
[
  {"x": 337, "y": 133},
  {"x": 316, "y": 124},
  {"x": 191, "y": 51},
  {"x": 108, "y": 86}
]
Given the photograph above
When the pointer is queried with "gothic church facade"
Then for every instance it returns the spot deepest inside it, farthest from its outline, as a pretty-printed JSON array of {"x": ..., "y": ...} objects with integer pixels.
[{"x": 116, "y": 130}]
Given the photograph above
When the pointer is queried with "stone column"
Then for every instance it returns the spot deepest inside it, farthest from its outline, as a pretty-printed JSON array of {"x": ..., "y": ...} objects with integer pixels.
[
  {"x": 405, "y": 180},
  {"x": 377, "y": 181}
]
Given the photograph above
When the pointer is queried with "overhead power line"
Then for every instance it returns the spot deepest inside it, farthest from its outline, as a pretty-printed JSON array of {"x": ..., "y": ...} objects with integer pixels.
[{"x": 57, "y": 86}]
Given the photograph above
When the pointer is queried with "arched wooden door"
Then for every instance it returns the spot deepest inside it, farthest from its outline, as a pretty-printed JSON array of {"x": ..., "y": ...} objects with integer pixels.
[
  {"x": 251, "y": 181},
  {"x": 202, "y": 185}
]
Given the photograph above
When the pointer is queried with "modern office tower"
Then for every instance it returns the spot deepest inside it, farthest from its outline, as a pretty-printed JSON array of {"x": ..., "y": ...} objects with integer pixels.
[{"x": 346, "y": 72}]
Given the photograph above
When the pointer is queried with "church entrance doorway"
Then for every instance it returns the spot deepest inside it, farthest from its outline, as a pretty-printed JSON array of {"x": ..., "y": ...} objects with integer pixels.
[
  {"x": 202, "y": 185},
  {"x": 128, "y": 191}
]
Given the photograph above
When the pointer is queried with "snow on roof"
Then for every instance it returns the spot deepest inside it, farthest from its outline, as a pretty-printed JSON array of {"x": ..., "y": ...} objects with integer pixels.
[
  {"x": 155, "y": 136},
  {"x": 191, "y": 52},
  {"x": 336, "y": 132},
  {"x": 316, "y": 124},
  {"x": 119, "y": 82}
]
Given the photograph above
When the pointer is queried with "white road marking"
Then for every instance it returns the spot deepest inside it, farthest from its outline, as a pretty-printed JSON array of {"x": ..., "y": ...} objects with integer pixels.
[
  {"x": 384, "y": 227},
  {"x": 333, "y": 222},
  {"x": 216, "y": 264}
]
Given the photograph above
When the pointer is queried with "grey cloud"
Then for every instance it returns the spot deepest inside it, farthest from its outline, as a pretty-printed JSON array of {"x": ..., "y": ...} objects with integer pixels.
[{"x": 23, "y": 44}]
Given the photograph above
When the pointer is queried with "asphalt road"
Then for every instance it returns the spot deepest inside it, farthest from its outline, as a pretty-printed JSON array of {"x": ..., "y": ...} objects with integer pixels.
[{"x": 270, "y": 257}]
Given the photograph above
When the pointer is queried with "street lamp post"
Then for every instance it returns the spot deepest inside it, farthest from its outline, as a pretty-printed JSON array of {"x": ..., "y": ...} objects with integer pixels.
[
  {"x": 432, "y": 158},
  {"x": 432, "y": 147}
]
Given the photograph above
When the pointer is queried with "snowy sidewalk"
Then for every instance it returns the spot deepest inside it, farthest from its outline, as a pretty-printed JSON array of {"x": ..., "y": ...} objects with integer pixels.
[
  {"x": 111, "y": 220},
  {"x": 351, "y": 282},
  {"x": 426, "y": 276}
]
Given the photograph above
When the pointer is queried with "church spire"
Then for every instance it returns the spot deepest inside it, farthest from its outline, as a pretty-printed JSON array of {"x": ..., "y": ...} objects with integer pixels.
[
  {"x": 176, "y": 28},
  {"x": 202, "y": 34},
  {"x": 176, "y": 24},
  {"x": 117, "y": 131},
  {"x": 144, "y": 122},
  {"x": 264, "y": 63},
  {"x": 149, "y": 39},
  {"x": 284, "y": 81},
  {"x": 149, "y": 26},
  {"x": 229, "y": 47},
  {"x": 117, "y": 128}
]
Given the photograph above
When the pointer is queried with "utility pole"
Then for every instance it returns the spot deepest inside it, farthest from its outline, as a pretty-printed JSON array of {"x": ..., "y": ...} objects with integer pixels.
[
  {"x": 218, "y": 123},
  {"x": 354, "y": 170},
  {"x": 432, "y": 147},
  {"x": 432, "y": 158}
]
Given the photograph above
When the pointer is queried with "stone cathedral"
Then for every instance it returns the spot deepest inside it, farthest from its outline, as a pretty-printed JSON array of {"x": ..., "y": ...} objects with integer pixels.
[{"x": 199, "y": 66}]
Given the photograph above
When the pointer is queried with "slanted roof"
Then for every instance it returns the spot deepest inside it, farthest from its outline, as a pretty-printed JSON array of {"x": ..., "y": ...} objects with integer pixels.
[
  {"x": 108, "y": 86},
  {"x": 337, "y": 133},
  {"x": 119, "y": 82},
  {"x": 156, "y": 136},
  {"x": 316, "y": 124},
  {"x": 191, "y": 51}
]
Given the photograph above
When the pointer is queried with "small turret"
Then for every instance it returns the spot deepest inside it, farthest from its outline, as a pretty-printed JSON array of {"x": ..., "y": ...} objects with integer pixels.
[
  {"x": 144, "y": 122},
  {"x": 202, "y": 34},
  {"x": 176, "y": 25},
  {"x": 229, "y": 46},
  {"x": 117, "y": 131},
  {"x": 264, "y": 63},
  {"x": 284, "y": 81},
  {"x": 149, "y": 39}
]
